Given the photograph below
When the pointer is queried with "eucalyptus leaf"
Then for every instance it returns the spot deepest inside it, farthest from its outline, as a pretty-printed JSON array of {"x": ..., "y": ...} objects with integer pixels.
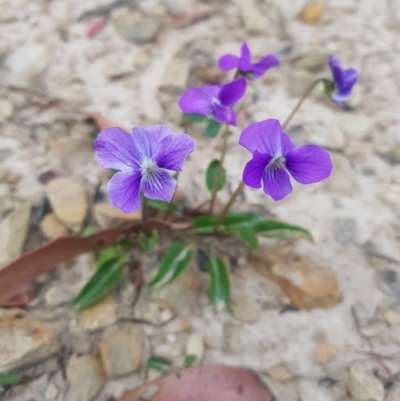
[
  {"x": 158, "y": 363},
  {"x": 173, "y": 264},
  {"x": 212, "y": 128},
  {"x": 101, "y": 283},
  {"x": 219, "y": 290},
  {"x": 211, "y": 176}
]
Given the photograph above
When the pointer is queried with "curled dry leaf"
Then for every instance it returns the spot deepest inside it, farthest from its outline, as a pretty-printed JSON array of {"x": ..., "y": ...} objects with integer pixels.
[
  {"x": 21, "y": 272},
  {"x": 203, "y": 383},
  {"x": 102, "y": 122}
]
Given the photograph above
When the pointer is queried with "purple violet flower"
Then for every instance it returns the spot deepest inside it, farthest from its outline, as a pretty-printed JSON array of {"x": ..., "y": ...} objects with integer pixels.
[
  {"x": 215, "y": 100},
  {"x": 244, "y": 65},
  {"x": 343, "y": 81},
  {"x": 274, "y": 156},
  {"x": 143, "y": 159}
]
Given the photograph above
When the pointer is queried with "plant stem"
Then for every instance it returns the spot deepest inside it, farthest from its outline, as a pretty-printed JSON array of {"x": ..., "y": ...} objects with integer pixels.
[
  {"x": 219, "y": 170},
  {"x": 304, "y": 97},
  {"x": 144, "y": 209},
  {"x": 186, "y": 131},
  {"x": 231, "y": 201}
]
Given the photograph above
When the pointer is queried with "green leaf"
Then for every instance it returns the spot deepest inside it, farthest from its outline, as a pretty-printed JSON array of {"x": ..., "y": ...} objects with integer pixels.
[
  {"x": 125, "y": 244},
  {"x": 173, "y": 264},
  {"x": 219, "y": 289},
  {"x": 247, "y": 235},
  {"x": 196, "y": 118},
  {"x": 284, "y": 229},
  {"x": 212, "y": 128},
  {"x": 8, "y": 379},
  {"x": 90, "y": 230},
  {"x": 148, "y": 243},
  {"x": 190, "y": 360},
  {"x": 211, "y": 176},
  {"x": 158, "y": 363},
  {"x": 101, "y": 283},
  {"x": 205, "y": 224},
  {"x": 161, "y": 205},
  {"x": 106, "y": 255}
]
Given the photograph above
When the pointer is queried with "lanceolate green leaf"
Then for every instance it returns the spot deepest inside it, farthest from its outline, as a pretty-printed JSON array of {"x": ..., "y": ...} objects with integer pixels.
[
  {"x": 219, "y": 290},
  {"x": 247, "y": 235},
  {"x": 8, "y": 379},
  {"x": 190, "y": 360},
  {"x": 173, "y": 264},
  {"x": 148, "y": 243},
  {"x": 212, "y": 128},
  {"x": 104, "y": 279},
  {"x": 105, "y": 255},
  {"x": 161, "y": 205},
  {"x": 211, "y": 176},
  {"x": 158, "y": 363}
]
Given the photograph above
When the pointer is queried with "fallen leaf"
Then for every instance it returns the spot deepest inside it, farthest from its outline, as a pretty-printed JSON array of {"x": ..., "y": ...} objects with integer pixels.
[
  {"x": 184, "y": 20},
  {"x": 95, "y": 28},
  {"x": 312, "y": 12},
  {"x": 21, "y": 272},
  {"x": 203, "y": 383},
  {"x": 102, "y": 122}
]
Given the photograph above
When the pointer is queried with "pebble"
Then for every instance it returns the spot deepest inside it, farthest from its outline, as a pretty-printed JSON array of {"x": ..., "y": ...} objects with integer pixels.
[
  {"x": 52, "y": 227},
  {"x": 134, "y": 28},
  {"x": 344, "y": 230},
  {"x": 325, "y": 352},
  {"x": 121, "y": 352},
  {"x": 391, "y": 196},
  {"x": 51, "y": 392},
  {"x": 312, "y": 12},
  {"x": 355, "y": 125},
  {"x": 279, "y": 373},
  {"x": 342, "y": 179},
  {"x": 24, "y": 339},
  {"x": 310, "y": 391},
  {"x": 329, "y": 136},
  {"x": 99, "y": 315},
  {"x": 394, "y": 395},
  {"x": 26, "y": 64},
  {"x": 232, "y": 338},
  {"x": 108, "y": 216},
  {"x": 364, "y": 386},
  {"x": 13, "y": 232},
  {"x": 391, "y": 317},
  {"x": 73, "y": 151},
  {"x": 69, "y": 202},
  {"x": 299, "y": 81},
  {"x": 59, "y": 295},
  {"x": 6, "y": 202},
  {"x": 6, "y": 109},
  {"x": 246, "y": 309},
  {"x": 307, "y": 284},
  {"x": 252, "y": 20},
  {"x": 195, "y": 346},
  {"x": 176, "y": 76},
  {"x": 86, "y": 377}
]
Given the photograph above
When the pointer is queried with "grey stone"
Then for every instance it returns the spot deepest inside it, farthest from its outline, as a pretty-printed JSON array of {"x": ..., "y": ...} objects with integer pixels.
[
  {"x": 176, "y": 76},
  {"x": 364, "y": 386},
  {"x": 232, "y": 338},
  {"x": 23, "y": 339},
  {"x": 6, "y": 109},
  {"x": 328, "y": 136},
  {"x": 394, "y": 395},
  {"x": 253, "y": 21},
  {"x": 344, "y": 230},
  {"x": 26, "y": 64},
  {"x": 86, "y": 377},
  {"x": 246, "y": 309},
  {"x": 311, "y": 62},
  {"x": 99, "y": 315},
  {"x": 299, "y": 81}
]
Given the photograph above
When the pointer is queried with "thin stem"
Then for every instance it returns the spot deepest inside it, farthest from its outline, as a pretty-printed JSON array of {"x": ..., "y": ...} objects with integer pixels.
[
  {"x": 231, "y": 201},
  {"x": 144, "y": 209},
  {"x": 304, "y": 97},
  {"x": 219, "y": 170},
  {"x": 186, "y": 131}
]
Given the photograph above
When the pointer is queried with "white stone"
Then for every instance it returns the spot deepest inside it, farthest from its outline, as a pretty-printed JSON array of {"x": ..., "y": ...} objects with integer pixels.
[
  {"x": 364, "y": 386},
  {"x": 195, "y": 346}
]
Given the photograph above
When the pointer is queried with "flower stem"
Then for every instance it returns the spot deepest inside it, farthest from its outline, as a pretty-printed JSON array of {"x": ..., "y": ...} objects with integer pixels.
[
  {"x": 144, "y": 209},
  {"x": 304, "y": 97},
  {"x": 219, "y": 170},
  {"x": 186, "y": 131},
  {"x": 231, "y": 201}
]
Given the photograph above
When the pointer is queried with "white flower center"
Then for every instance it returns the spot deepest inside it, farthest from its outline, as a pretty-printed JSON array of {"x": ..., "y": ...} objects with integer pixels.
[
  {"x": 148, "y": 167},
  {"x": 277, "y": 162}
]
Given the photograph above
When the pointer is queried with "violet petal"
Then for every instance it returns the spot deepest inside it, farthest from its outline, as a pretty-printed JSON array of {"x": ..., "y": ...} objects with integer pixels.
[
  {"x": 228, "y": 62},
  {"x": 115, "y": 150},
  {"x": 245, "y": 58},
  {"x": 309, "y": 164},
  {"x": 264, "y": 65},
  {"x": 124, "y": 190},
  {"x": 224, "y": 115},
  {"x": 173, "y": 150},
  {"x": 196, "y": 101},
  {"x": 232, "y": 92},
  {"x": 276, "y": 182},
  {"x": 254, "y": 169},
  {"x": 159, "y": 185}
]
